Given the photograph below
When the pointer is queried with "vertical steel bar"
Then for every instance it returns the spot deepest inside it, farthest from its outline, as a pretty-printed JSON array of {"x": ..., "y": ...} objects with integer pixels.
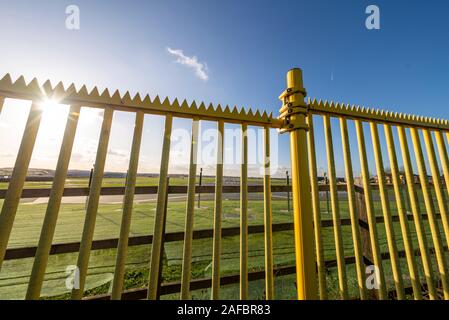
[
  {"x": 54, "y": 203},
  {"x": 443, "y": 156},
  {"x": 268, "y": 218},
  {"x": 218, "y": 210},
  {"x": 244, "y": 216},
  {"x": 414, "y": 206},
  {"x": 92, "y": 205},
  {"x": 12, "y": 197},
  {"x": 433, "y": 223},
  {"x": 358, "y": 252},
  {"x": 339, "y": 248},
  {"x": 302, "y": 202},
  {"x": 199, "y": 192},
  {"x": 403, "y": 220},
  {"x": 365, "y": 239},
  {"x": 159, "y": 215},
  {"x": 386, "y": 211},
  {"x": 441, "y": 199},
  {"x": 370, "y": 210},
  {"x": 288, "y": 192},
  {"x": 321, "y": 267},
  {"x": 190, "y": 211},
  {"x": 164, "y": 224},
  {"x": 128, "y": 201}
]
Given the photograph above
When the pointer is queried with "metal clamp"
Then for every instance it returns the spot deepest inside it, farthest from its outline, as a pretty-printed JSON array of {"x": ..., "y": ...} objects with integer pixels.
[
  {"x": 291, "y": 91},
  {"x": 290, "y": 108},
  {"x": 287, "y": 125}
]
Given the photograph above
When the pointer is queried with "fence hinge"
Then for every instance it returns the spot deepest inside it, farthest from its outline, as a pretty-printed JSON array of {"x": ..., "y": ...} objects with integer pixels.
[{"x": 294, "y": 110}]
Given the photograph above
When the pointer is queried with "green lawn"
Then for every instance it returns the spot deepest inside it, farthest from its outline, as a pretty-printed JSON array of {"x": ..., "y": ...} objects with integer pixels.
[{"x": 15, "y": 273}]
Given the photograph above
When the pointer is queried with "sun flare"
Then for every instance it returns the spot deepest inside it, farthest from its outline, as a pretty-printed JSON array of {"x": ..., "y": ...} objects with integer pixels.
[{"x": 53, "y": 114}]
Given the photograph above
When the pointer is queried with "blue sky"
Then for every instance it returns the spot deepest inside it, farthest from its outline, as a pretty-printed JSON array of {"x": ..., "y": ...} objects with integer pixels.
[{"x": 245, "y": 47}]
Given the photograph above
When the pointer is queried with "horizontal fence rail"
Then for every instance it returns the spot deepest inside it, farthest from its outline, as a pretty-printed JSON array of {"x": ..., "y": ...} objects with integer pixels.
[
  {"x": 70, "y": 95},
  {"x": 29, "y": 252},
  {"x": 148, "y": 190},
  {"x": 116, "y": 191}
]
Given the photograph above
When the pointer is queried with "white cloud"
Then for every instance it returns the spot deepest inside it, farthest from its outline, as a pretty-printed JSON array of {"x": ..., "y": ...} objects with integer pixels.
[
  {"x": 117, "y": 153},
  {"x": 192, "y": 62}
]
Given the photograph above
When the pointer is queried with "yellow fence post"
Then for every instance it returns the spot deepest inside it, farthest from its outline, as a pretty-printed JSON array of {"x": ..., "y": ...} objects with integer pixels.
[
  {"x": 338, "y": 238},
  {"x": 370, "y": 213},
  {"x": 218, "y": 211},
  {"x": 321, "y": 265},
  {"x": 127, "y": 210},
  {"x": 160, "y": 207},
  {"x": 244, "y": 216},
  {"x": 294, "y": 114},
  {"x": 12, "y": 198},
  {"x": 92, "y": 205},
  {"x": 268, "y": 218},
  {"x": 190, "y": 210},
  {"x": 356, "y": 239}
]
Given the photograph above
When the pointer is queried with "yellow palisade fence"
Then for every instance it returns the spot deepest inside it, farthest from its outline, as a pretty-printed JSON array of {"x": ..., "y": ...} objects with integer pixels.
[{"x": 368, "y": 202}]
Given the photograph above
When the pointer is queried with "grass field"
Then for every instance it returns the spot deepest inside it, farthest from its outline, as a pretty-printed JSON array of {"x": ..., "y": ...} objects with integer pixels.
[{"x": 15, "y": 273}]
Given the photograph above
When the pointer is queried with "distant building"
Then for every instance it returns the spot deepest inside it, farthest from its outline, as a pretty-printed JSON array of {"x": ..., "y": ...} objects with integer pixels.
[
  {"x": 325, "y": 180},
  {"x": 402, "y": 178}
]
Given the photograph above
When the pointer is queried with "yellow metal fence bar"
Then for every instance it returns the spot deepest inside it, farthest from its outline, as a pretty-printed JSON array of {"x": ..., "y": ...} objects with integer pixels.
[
  {"x": 244, "y": 216},
  {"x": 321, "y": 267},
  {"x": 2, "y": 101},
  {"x": 128, "y": 201},
  {"x": 358, "y": 251},
  {"x": 139, "y": 102},
  {"x": 12, "y": 198},
  {"x": 443, "y": 156},
  {"x": 403, "y": 220},
  {"x": 417, "y": 218},
  {"x": 268, "y": 218},
  {"x": 218, "y": 210},
  {"x": 441, "y": 199},
  {"x": 386, "y": 211},
  {"x": 302, "y": 202},
  {"x": 370, "y": 114},
  {"x": 159, "y": 215},
  {"x": 190, "y": 210},
  {"x": 339, "y": 248},
  {"x": 433, "y": 223},
  {"x": 92, "y": 205},
  {"x": 370, "y": 210},
  {"x": 54, "y": 203}
]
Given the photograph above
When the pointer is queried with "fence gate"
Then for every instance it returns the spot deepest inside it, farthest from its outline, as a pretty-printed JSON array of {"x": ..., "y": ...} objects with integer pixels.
[{"x": 405, "y": 265}]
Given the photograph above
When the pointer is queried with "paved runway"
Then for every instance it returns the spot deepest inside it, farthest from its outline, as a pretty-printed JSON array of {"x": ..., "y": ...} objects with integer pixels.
[{"x": 142, "y": 198}]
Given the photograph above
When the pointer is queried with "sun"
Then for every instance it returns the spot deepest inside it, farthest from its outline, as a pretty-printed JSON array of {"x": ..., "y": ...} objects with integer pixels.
[
  {"x": 53, "y": 114},
  {"x": 49, "y": 103},
  {"x": 52, "y": 109}
]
